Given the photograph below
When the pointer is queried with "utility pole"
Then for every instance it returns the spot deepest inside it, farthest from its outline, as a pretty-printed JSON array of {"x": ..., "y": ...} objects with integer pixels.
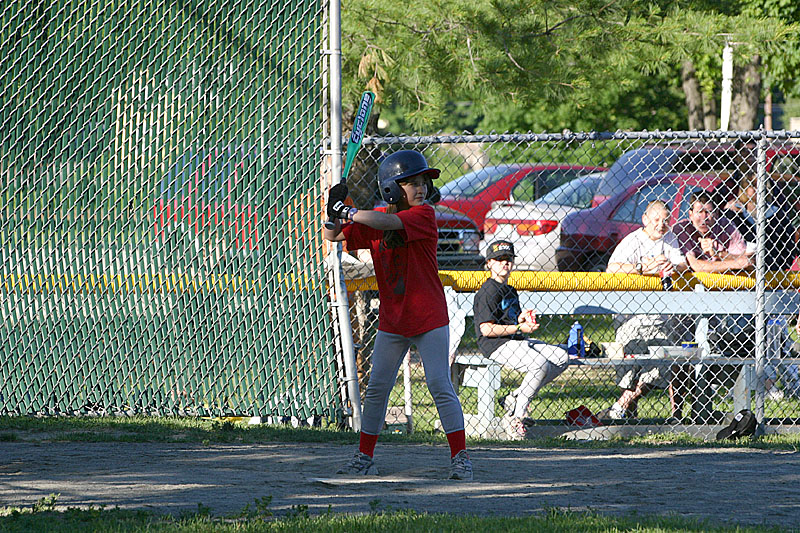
[
  {"x": 727, "y": 86},
  {"x": 768, "y": 109}
]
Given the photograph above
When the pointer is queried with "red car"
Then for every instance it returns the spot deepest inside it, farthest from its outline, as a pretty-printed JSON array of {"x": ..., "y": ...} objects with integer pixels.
[
  {"x": 589, "y": 236},
  {"x": 473, "y": 193}
]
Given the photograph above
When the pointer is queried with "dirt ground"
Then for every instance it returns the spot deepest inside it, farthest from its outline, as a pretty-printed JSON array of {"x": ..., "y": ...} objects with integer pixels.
[{"x": 745, "y": 486}]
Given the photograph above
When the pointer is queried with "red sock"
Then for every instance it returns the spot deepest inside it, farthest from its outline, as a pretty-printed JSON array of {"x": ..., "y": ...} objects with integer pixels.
[
  {"x": 367, "y": 442},
  {"x": 457, "y": 441}
]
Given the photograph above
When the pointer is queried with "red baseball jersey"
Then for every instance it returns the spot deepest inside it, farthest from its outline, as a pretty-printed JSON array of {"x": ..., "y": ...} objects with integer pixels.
[{"x": 411, "y": 293}]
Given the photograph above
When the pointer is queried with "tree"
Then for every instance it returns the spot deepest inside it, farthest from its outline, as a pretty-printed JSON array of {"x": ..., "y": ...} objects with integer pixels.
[
  {"x": 758, "y": 60},
  {"x": 779, "y": 70},
  {"x": 638, "y": 102},
  {"x": 524, "y": 53}
]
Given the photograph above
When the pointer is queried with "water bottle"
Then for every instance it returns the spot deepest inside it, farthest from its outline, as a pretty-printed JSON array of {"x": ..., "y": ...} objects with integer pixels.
[
  {"x": 689, "y": 346},
  {"x": 575, "y": 346},
  {"x": 776, "y": 332}
]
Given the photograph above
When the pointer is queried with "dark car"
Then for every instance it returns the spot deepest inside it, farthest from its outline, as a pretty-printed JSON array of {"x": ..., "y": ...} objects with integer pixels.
[
  {"x": 474, "y": 192},
  {"x": 691, "y": 158},
  {"x": 589, "y": 236},
  {"x": 459, "y": 239}
]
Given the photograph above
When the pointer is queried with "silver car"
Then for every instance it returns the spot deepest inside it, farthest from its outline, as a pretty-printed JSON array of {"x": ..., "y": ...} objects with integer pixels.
[{"x": 533, "y": 226}]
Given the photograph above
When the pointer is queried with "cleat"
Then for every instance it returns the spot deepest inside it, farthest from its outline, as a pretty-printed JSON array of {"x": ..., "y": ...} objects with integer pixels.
[
  {"x": 515, "y": 428},
  {"x": 360, "y": 465},
  {"x": 461, "y": 466}
]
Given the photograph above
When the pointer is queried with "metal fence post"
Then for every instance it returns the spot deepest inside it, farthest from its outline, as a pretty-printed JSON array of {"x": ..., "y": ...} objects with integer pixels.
[
  {"x": 340, "y": 289},
  {"x": 761, "y": 220}
]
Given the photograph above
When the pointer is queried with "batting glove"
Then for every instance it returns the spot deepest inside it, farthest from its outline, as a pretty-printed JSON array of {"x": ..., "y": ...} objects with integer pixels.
[{"x": 336, "y": 205}]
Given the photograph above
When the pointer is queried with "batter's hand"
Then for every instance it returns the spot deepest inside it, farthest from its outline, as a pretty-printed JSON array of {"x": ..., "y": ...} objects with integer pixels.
[{"x": 336, "y": 206}]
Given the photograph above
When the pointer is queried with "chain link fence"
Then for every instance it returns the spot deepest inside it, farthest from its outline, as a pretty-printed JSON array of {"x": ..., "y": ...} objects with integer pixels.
[
  {"x": 160, "y": 246},
  {"x": 159, "y": 209},
  {"x": 681, "y": 347}
]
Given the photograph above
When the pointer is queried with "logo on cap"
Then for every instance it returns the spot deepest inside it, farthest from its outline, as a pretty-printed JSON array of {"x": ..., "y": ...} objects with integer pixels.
[{"x": 500, "y": 249}]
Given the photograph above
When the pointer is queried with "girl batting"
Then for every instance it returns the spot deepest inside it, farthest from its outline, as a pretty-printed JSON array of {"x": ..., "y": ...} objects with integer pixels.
[{"x": 402, "y": 239}]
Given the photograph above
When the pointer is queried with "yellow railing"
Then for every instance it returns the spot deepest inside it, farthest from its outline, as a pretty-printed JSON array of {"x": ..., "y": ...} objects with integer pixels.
[{"x": 471, "y": 280}]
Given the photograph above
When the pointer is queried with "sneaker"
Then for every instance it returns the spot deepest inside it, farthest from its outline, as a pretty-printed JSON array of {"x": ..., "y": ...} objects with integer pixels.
[
  {"x": 461, "y": 466},
  {"x": 510, "y": 403},
  {"x": 515, "y": 428},
  {"x": 360, "y": 465},
  {"x": 775, "y": 394},
  {"x": 615, "y": 412}
]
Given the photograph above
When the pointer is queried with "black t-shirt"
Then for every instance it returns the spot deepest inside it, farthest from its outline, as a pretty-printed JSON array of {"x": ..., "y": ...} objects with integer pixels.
[{"x": 497, "y": 303}]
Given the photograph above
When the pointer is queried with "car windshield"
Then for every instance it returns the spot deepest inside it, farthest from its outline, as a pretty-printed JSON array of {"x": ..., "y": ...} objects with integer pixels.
[
  {"x": 633, "y": 208},
  {"x": 474, "y": 182},
  {"x": 537, "y": 184},
  {"x": 576, "y": 193},
  {"x": 705, "y": 161},
  {"x": 644, "y": 163},
  {"x": 633, "y": 166}
]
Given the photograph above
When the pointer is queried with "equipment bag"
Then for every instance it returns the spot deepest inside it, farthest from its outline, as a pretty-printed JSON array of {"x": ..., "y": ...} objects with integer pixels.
[{"x": 742, "y": 425}]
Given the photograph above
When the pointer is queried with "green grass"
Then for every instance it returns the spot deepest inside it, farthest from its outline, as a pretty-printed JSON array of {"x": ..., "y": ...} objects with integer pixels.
[
  {"x": 151, "y": 429},
  {"x": 580, "y": 385},
  {"x": 202, "y": 431},
  {"x": 41, "y": 517},
  {"x": 593, "y": 387}
]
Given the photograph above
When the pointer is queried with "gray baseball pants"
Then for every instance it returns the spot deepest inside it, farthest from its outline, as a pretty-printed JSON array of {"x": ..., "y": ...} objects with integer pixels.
[
  {"x": 387, "y": 356},
  {"x": 542, "y": 363}
]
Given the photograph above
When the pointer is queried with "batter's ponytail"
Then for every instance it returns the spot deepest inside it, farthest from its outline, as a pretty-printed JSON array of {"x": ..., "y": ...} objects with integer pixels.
[{"x": 392, "y": 238}]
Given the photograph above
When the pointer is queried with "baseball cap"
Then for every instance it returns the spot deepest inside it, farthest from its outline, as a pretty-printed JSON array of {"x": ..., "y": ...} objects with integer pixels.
[{"x": 500, "y": 249}]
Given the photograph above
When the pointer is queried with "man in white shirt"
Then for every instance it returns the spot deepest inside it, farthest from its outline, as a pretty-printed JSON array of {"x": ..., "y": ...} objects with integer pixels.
[{"x": 652, "y": 250}]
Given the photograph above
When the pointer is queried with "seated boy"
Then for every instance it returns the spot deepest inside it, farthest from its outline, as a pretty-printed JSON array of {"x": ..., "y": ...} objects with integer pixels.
[{"x": 500, "y": 326}]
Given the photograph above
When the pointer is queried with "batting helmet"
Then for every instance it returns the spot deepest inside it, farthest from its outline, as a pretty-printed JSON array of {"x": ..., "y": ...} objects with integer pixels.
[{"x": 399, "y": 166}]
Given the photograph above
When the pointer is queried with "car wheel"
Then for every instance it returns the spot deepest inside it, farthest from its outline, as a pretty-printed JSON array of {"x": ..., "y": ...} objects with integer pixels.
[{"x": 598, "y": 264}]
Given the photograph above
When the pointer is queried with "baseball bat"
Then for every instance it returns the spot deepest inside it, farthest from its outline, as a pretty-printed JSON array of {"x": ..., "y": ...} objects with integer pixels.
[{"x": 356, "y": 136}]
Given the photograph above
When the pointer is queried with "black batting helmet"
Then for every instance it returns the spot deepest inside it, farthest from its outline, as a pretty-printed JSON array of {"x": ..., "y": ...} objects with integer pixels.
[{"x": 399, "y": 166}]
